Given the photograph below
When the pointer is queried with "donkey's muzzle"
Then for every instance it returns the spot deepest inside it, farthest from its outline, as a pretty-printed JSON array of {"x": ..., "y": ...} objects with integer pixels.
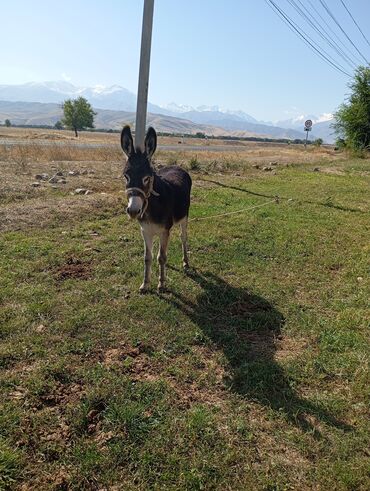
[{"x": 135, "y": 206}]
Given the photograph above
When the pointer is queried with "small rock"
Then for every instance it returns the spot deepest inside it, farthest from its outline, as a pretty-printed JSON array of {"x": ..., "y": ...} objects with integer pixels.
[
  {"x": 74, "y": 173},
  {"x": 35, "y": 184},
  {"x": 53, "y": 179},
  {"x": 273, "y": 163},
  {"x": 267, "y": 169},
  {"x": 59, "y": 173},
  {"x": 237, "y": 174},
  {"x": 290, "y": 199},
  {"x": 88, "y": 192},
  {"x": 359, "y": 278},
  {"x": 42, "y": 177},
  {"x": 316, "y": 169},
  {"x": 61, "y": 181},
  {"x": 84, "y": 172},
  {"x": 256, "y": 166},
  {"x": 40, "y": 328},
  {"x": 81, "y": 191},
  {"x": 54, "y": 187},
  {"x": 91, "y": 171}
]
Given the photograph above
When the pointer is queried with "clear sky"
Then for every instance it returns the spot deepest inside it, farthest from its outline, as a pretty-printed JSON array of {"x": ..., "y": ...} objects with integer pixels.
[{"x": 234, "y": 53}]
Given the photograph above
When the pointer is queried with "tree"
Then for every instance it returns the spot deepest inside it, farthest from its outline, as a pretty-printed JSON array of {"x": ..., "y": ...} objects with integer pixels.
[
  {"x": 8, "y": 123},
  {"x": 78, "y": 114},
  {"x": 352, "y": 119},
  {"x": 58, "y": 125},
  {"x": 318, "y": 142}
]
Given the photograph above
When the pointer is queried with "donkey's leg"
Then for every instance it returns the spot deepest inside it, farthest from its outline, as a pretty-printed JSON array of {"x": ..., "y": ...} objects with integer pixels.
[
  {"x": 184, "y": 240},
  {"x": 162, "y": 258},
  {"x": 148, "y": 241}
]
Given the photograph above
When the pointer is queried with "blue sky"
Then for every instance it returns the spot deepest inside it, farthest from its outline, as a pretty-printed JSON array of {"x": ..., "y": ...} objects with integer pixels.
[{"x": 234, "y": 53}]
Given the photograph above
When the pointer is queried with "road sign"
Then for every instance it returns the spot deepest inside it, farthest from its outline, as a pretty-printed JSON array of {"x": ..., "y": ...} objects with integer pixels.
[{"x": 308, "y": 124}]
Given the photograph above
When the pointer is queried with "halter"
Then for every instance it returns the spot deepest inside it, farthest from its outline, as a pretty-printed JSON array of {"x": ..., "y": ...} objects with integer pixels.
[{"x": 146, "y": 195}]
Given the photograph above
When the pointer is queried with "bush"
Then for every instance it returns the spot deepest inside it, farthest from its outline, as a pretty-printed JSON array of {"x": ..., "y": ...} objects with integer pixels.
[
  {"x": 194, "y": 164},
  {"x": 352, "y": 120}
]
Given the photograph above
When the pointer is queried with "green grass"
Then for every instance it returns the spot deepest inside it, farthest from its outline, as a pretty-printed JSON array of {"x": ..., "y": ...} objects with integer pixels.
[{"x": 250, "y": 373}]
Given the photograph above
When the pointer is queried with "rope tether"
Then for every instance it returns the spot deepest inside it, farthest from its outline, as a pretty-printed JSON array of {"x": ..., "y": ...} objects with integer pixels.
[{"x": 275, "y": 200}]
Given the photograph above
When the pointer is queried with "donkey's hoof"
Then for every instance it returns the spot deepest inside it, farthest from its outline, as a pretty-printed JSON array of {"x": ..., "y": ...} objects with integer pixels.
[
  {"x": 161, "y": 288},
  {"x": 144, "y": 288}
]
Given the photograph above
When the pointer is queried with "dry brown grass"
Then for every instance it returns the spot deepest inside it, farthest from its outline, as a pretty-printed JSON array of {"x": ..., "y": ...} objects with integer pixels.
[{"x": 100, "y": 170}]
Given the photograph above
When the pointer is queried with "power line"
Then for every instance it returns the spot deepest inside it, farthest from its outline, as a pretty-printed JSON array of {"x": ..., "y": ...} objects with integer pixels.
[
  {"x": 323, "y": 3},
  {"x": 358, "y": 27},
  {"x": 333, "y": 32},
  {"x": 310, "y": 19},
  {"x": 305, "y": 37}
]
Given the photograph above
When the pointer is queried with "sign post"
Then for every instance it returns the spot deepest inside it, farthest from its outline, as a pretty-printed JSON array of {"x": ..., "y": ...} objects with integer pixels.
[
  {"x": 142, "y": 92},
  {"x": 307, "y": 128}
]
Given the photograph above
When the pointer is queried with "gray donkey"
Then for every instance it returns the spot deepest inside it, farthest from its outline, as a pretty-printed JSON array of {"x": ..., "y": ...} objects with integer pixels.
[{"x": 157, "y": 199}]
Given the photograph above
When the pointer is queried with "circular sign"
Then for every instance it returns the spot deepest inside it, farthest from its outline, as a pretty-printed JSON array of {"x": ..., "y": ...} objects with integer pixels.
[{"x": 308, "y": 123}]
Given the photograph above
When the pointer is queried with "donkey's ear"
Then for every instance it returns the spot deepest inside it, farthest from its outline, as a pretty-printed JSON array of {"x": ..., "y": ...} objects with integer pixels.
[
  {"x": 127, "y": 143},
  {"x": 150, "y": 142}
]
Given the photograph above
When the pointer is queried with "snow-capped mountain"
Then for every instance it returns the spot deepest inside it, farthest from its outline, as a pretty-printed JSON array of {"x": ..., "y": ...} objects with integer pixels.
[
  {"x": 298, "y": 121},
  {"x": 183, "y": 109},
  {"x": 113, "y": 97},
  {"x": 321, "y": 127},
  {"x": 117, "y": 98}
]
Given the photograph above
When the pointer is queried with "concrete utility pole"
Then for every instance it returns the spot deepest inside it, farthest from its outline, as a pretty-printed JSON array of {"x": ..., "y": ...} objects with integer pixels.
[{"x": 142, "y": 92}]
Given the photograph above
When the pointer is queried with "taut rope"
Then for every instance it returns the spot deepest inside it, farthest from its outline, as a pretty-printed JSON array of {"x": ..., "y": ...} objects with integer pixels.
[{"x": 275, "y": 200}]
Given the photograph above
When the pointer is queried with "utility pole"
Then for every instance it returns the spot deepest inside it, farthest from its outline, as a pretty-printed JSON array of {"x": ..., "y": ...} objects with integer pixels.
[{"x": 142, "y": 93}]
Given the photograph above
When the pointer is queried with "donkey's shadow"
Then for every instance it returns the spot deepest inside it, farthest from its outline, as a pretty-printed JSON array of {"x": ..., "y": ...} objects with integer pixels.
[{"x": 247, "y": 328}]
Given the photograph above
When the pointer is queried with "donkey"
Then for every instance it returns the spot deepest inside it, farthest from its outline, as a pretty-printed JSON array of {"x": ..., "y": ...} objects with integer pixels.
[{"x": 158, "y": 200}]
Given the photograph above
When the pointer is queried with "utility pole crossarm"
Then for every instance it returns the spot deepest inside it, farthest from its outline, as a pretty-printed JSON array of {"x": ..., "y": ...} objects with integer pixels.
[{"x": 142, "y": 93}]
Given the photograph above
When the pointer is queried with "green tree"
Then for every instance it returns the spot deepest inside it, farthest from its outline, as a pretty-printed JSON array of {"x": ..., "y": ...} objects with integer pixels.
[
  {"x": 78, "y": 114},
  {"x": 58, "y": 125},
  {"x": 318, "y": 142},
  {"x": 352, "y": 119},
  {"x": 8, "y": 123}
]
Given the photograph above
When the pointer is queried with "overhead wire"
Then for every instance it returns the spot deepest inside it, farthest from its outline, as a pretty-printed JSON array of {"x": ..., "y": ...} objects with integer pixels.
[
  {"x": 354, "y": 55},
  {"x": 358, "y": 27},
  {"x": 315, "y": 24},
  {"x": 306, "y": 38},
  {"x": 329, "y": 12}
]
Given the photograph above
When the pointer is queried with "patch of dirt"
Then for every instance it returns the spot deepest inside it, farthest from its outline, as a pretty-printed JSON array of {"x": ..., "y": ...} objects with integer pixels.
[
  {"x": 73, "y": 268},
  {"x": 249, "y": 305},
  {"x": 115, "y": 356},
  {"x": 288, "y": 348},
  {"x": 63, "y": 394},
  {"x": 49, "y": 211}
]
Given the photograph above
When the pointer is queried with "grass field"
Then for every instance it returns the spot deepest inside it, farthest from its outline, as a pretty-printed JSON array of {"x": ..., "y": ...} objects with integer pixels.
[{"x": 250, "y": 373}]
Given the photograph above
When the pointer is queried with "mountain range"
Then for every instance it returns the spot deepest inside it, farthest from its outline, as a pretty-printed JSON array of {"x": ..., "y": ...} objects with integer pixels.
[{"x": 115, "y": 105}]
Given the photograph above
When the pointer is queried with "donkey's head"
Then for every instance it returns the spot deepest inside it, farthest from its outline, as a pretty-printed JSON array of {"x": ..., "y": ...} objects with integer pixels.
[{"x": 138, "y": 170}]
